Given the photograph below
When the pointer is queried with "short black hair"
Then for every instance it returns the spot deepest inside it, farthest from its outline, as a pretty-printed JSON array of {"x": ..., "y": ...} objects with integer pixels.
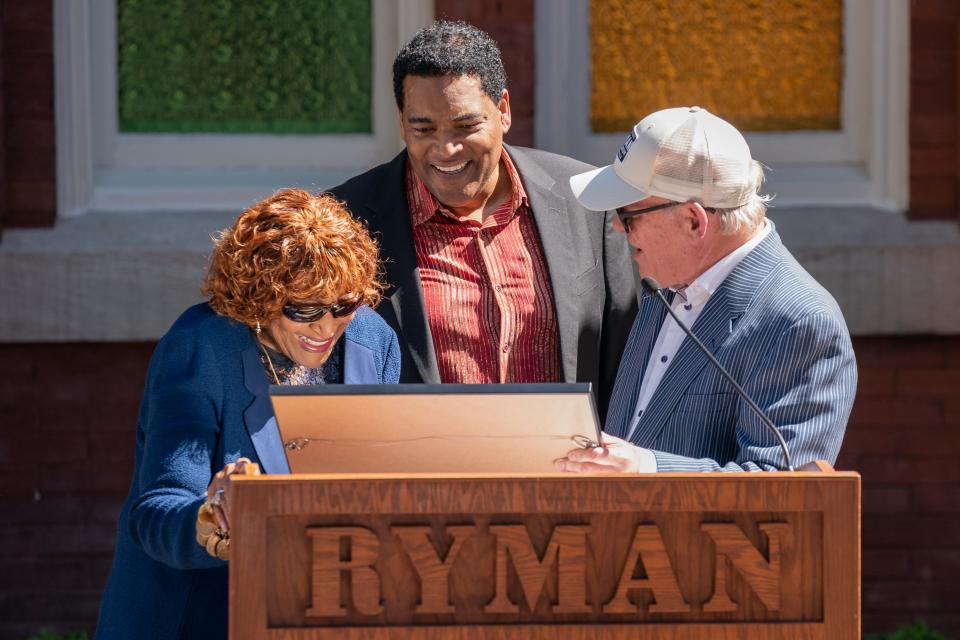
[{"x": 451, "y": 48}]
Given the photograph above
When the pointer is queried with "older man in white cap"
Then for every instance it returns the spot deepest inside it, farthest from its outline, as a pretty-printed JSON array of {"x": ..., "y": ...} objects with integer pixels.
[{"x": 687, "y": 193}]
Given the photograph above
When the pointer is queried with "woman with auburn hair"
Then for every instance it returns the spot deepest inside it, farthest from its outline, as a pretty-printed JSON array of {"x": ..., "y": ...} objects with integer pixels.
[{"x": 289, "y": 288}]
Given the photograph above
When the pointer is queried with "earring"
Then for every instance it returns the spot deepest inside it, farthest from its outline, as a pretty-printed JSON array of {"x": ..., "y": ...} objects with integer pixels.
[{"x": 258, "y": 330}]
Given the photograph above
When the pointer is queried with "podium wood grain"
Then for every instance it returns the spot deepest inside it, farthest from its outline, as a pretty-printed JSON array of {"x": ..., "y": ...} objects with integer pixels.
[{"x": 762, "y": 555}]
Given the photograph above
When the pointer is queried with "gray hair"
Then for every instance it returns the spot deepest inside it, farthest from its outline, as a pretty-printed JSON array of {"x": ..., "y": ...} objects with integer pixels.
[{"x": 750, "y": 214}]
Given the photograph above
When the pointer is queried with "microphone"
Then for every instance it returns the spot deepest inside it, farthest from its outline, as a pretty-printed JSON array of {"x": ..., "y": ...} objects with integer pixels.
[{"x": 652, "y": 287}]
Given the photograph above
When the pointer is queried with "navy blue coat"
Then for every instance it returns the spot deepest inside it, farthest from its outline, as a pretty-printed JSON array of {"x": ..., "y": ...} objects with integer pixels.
[{"x": 205, "y": 404}]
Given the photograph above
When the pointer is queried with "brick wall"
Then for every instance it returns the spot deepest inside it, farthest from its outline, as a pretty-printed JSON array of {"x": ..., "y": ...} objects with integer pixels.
[
  {"x": 904, "y": 438},
  {"x": 67, "y": 415},
  {"x": 510, "y": 23},
  {"x": 29, "y": 155},
  {"x": 934, "y": 133}
]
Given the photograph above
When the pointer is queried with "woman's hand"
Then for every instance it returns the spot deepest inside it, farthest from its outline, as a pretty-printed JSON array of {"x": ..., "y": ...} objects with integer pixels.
[
  {"x": 213, "y": 518},
  {"x": 217, "y": 491}
]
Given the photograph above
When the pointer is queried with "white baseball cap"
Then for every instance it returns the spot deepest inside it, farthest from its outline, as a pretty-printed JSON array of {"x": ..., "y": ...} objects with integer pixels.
[{"x": 681, "y": 154}]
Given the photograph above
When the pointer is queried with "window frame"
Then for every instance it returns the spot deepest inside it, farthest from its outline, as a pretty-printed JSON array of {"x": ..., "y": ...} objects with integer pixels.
[
  {"x": 101, "y": 169},
  {"x": 864, "y": 163}
]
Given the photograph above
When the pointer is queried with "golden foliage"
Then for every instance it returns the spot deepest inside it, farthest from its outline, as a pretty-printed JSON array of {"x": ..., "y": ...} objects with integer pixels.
[{"x": 764, "y": 65}]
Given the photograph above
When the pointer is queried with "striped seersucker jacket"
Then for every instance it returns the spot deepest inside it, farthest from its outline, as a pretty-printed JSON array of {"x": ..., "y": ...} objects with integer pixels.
[{"x": 781, "y": 336}]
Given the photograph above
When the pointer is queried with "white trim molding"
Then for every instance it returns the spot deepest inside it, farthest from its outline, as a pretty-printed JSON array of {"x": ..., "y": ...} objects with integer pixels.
[
  {"x": 101, "y": 169},
  {"x": 72, "y": 106},
  {"x": 863, "y": 164},
  {"x": 122, "y": 276}
]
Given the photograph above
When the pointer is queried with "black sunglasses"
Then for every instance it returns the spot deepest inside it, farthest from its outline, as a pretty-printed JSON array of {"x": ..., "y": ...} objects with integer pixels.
[
  {"x": 626, "y": 216},
  {"x": 314, "y": 313}
]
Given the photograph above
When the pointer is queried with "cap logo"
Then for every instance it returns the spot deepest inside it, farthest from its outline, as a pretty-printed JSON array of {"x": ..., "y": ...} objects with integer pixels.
[{"x": 626, "y": 145}]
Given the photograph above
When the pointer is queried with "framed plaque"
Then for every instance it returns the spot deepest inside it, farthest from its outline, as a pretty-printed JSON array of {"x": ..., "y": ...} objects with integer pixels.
[{"x": 424, "y": 428}]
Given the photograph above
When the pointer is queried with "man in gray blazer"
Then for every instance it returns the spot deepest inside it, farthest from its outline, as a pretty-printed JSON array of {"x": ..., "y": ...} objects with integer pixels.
[
  {"x": 687, "y": 193},
  {"x": 496, "y": 273}
]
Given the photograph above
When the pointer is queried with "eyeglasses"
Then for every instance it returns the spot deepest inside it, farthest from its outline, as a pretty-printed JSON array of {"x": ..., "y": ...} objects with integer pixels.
[
  {"x": 627, "y": 216},
  {"x": 314, "y": 313}
]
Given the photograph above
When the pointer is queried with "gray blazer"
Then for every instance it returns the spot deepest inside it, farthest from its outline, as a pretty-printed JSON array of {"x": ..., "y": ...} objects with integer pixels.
[
  {"x": 589, "y": 263},
  {"x": 781, "y": 336}
]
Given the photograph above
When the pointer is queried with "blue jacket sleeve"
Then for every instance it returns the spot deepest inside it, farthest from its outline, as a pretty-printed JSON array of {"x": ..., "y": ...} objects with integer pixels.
[
  {"x": 179, "y": 430},
  {"x": 806, "y": 384}
]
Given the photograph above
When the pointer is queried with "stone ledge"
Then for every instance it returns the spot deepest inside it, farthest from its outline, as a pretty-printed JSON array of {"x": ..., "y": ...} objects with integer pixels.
[
  {"x": 103, "y": 277},
  {"x": 109, "y": 277},
  {"x": 889, "y": 275}
]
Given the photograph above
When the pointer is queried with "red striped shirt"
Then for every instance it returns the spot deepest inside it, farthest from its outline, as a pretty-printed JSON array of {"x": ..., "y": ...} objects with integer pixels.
[{"x": 487, "y": 289}]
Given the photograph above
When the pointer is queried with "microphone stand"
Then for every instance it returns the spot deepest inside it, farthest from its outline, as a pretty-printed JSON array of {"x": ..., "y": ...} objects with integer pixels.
[{"x": 653, "y": 287}]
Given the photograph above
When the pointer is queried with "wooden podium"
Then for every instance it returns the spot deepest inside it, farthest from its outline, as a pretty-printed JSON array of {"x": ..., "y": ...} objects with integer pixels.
[{"x": 692, "y": 556}]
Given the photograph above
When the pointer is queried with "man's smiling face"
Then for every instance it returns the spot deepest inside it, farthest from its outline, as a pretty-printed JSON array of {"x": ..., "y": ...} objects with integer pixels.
[{"x": 454, "y": 136}]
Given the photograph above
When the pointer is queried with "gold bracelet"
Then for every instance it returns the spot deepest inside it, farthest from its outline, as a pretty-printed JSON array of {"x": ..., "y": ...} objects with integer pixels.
[
  {"x": 222, "y": 548},
  {"x": 209, "y": 534}
]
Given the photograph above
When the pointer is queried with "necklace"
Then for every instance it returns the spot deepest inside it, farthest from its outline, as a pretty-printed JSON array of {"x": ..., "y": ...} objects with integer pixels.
[
  {"x": 273, "y": 371},
  {"x": 266, "y": 355},
  {"x": 282, "y": 370}
]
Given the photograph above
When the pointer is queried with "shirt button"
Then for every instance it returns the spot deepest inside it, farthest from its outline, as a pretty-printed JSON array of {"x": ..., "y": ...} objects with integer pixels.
[
  {"x": 506, "y": 348},
  {"x": 498, "y": 288},
  {"x": 663, "y": 358},
  {"x": 688, "y": 307}
]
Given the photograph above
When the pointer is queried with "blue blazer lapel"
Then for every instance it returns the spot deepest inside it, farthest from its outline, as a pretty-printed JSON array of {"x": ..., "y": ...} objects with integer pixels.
[
  {"x": 632, "y": 365},
  {"x": 258, "y": 417},
  {"x": 359, "y": 366},
  {"x": 714, "y": 327}
]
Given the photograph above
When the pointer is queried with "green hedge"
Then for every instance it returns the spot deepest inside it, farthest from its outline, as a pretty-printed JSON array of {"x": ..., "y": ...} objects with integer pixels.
[
  {"x": 916, "y": 631},
  {"x": 244, "y": 66},
  {"x": 49, "y": 635}
]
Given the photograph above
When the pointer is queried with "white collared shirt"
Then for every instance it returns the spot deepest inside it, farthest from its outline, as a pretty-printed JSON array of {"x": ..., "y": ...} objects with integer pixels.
[{"x": 671, "y": 336}]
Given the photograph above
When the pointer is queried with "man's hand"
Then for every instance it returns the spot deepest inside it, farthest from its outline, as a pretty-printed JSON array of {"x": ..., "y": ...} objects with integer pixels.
[{"x": 615, "y": 455}]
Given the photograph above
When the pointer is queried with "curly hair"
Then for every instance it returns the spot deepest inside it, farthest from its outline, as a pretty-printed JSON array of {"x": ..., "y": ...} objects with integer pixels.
[
  {"x": 291, "y": 247},
  {"x": 451, "y": 48}
]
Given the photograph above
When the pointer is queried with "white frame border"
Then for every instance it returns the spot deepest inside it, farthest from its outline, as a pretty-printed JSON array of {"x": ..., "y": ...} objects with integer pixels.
[
  {"x": 865, "y": 164},
  {"x": 102, "y": 170}
]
